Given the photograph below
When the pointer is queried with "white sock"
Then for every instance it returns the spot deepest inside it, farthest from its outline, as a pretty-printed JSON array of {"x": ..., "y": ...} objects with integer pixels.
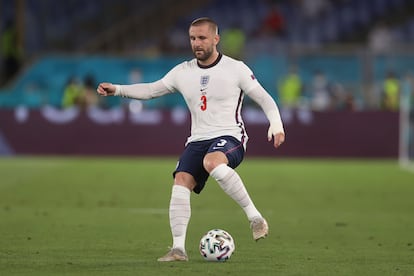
[
  {"x": 180, "y": 212},
  {"x": 232, "y": 185}
]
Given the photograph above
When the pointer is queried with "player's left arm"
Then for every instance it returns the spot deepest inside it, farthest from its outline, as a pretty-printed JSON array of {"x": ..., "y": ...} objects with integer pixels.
[
  {"x": 251, "y": 86},
  {"x": 269, "y": 107}
]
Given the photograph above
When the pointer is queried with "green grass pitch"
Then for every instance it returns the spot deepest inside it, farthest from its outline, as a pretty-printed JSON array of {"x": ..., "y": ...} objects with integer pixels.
[{"x": 109, "y": 216}]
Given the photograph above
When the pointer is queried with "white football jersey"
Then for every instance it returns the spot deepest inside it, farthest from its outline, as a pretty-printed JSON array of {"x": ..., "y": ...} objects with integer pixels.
[{"x": 214, "y": 95}]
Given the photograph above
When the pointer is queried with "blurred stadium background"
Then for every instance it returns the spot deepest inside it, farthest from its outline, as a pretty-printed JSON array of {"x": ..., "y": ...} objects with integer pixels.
[{"x": 340, "y": 70}]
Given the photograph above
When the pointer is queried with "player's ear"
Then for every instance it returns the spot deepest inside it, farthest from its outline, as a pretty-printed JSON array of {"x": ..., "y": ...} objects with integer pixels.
[{"x": 216, "y": 39}]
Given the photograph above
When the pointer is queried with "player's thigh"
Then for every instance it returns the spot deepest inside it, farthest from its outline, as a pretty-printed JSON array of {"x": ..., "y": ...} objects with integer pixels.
[{"x": 191, "y": 163}]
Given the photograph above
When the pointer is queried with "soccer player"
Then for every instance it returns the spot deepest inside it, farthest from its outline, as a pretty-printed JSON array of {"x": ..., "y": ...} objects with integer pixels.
[{"x": 213, "y": 86}]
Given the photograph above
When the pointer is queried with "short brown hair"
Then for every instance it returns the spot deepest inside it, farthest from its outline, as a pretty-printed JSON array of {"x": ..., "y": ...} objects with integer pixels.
[{"x": 206, "y": 20}]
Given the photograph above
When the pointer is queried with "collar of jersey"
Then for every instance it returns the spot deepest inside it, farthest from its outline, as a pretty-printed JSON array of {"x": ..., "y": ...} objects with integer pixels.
[{"x": 210, "y": 65}]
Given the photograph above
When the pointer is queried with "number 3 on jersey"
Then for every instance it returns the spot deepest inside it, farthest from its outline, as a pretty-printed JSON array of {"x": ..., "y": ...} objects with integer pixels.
[{"x": 203, "y": 104}]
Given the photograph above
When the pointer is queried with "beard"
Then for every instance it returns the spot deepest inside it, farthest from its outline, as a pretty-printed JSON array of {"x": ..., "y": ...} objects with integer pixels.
[{"x": 202, "y": 54}]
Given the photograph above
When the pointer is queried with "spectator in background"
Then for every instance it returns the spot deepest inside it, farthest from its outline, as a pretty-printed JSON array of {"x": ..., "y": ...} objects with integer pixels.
[
  {"x": 407, "y": 89},
  {"x": 233, "y": 41},
  {"x": 380, "y": 39},
  {"x": 10, "y": 50},
  {"x": 320, "y": 92},
  {"x": 290, "y": 89},
  {"x": 89, "y": 91},
  {"x": 341, "y": 98},
  {"x": 80, "y": 94},
  {"x": 312, "y": 9},
  {"x": 73, "y": 94},
  {"x": 391, "y": 92},
  {"x": 274, "y": 23},
  {"x": 135, "y": 76},
  {"x": 350, "y": 103}
]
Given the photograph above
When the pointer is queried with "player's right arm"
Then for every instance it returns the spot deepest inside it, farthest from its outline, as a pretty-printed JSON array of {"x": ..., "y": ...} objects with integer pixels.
[{"x": 139, "y": 91}]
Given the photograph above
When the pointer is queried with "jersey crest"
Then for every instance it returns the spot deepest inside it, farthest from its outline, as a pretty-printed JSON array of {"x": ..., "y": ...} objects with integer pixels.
[{"x": 204, "y": 80}]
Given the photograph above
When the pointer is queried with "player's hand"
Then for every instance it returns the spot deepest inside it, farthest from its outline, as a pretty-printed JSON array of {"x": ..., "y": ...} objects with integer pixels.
[
  {"x": 277, "y": 135},
  {"x": 106, "y": 89}
]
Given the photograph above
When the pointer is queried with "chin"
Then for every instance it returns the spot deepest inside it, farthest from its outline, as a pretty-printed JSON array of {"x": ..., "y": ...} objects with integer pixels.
[{"x": 200, "y": 57}]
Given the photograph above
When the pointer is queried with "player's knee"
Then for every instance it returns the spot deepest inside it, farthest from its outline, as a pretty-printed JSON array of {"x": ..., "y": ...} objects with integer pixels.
[
  {"x": 185, "y": 179},
  {"x": 211, "y": 161},
  {"x": 208, "y": 164}
]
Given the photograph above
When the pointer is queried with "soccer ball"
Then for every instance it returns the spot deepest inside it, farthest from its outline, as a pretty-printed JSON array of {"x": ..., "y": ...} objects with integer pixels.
[{"x": 217, "y": 245}]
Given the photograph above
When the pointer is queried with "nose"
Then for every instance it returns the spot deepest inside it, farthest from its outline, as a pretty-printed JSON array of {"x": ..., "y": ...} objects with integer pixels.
[{"x": 196, "y": 42}]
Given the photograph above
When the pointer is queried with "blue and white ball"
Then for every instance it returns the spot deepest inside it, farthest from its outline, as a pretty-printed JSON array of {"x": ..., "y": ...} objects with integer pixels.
[{"x": 217, "y": 245}]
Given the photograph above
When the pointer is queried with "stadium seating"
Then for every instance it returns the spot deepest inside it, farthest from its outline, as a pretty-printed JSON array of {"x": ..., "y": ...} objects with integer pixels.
[
  {"x": 69, "y": 25},
  {"x": 64, "y": 26}
]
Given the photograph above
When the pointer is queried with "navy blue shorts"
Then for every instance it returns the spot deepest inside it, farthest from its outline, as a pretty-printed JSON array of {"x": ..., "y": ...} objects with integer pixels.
[{"x": 191, "y": 160}]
